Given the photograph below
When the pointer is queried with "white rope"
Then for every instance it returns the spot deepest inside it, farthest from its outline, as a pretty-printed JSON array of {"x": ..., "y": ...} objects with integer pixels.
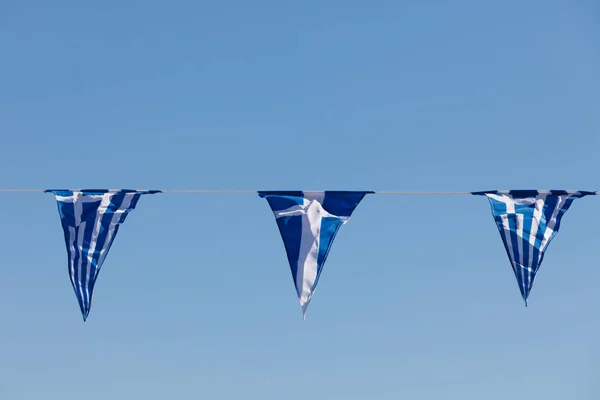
[
  {"x": 202, "y": 191},
  {"x": 210, "y": 191},
  {"x": 255, "y": 191},
  {"x": 20, "y": 190},
  {"x": 424, "y": 193}
]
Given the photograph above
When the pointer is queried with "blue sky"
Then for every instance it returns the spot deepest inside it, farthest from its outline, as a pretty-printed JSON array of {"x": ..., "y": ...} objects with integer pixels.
[{"x": 195, "y": 300}]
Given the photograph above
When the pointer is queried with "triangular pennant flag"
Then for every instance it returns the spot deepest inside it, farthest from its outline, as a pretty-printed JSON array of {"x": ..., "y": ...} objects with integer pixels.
[
  {"x": 90, "y": 220},
  {"x": 528, "y": 220},
  {"x": 308, "y": 223}
]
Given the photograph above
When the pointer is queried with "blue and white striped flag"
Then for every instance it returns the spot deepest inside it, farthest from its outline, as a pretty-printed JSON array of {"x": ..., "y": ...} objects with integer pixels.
[
  {"x": 308, "y": 223},
  {"x": 527, "y": 221},
  {"x": 90, "y": 220}
]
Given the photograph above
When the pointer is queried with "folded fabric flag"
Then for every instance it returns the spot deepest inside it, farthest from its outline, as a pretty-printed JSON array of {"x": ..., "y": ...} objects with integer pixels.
[
  {"x": 90, "y": 220},
  {"x": 308, "y": 223},
  {"x": 527, "y": 221}
]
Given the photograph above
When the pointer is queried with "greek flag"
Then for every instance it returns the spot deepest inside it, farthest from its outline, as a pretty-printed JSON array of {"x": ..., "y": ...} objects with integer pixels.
[
  {"x": 90, "y": 220},
  {"x": 308, "y": 223},
  {"x": 528, "y": 220}
]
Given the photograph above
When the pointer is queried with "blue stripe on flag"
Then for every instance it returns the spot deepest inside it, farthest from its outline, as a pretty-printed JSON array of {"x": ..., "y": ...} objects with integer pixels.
[
  {"x": 291, "y": 227},
  {"x": 329, "y": 229},
  {"x": 342, "y": 203}
]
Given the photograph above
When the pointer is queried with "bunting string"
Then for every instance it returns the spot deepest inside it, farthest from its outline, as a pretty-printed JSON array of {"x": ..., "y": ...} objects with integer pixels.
[
  {"x": 308, "y": 222},
  {"x": 219, "y": 191}
]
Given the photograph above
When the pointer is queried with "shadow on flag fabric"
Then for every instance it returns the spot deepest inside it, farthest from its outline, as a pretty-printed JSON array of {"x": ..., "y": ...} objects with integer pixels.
[
  {"x": 308, "y": 223},
  {"x": 90, "y": 220},
  {"x": 527, "y": 221}
]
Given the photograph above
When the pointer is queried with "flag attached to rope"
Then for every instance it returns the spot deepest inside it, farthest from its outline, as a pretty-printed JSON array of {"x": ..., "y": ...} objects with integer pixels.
[
  {"x": 90, "y": 220},
  {"x": 528, "y": 220},
  {"x": 308, "y": 223}
]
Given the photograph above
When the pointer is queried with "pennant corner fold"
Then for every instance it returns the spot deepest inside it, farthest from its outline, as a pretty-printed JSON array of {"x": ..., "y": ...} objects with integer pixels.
[
  {"x": 527, "y": 221},
  {"x": 90, "y": 219},
  {"x": 308, "y": 223}
]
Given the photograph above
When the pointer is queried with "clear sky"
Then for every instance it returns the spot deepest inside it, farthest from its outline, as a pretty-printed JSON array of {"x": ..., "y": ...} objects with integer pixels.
[{"x": 195, "y": 300}]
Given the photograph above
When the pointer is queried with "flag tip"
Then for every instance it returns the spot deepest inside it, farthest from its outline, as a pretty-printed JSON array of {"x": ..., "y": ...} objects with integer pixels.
[{"x": 304, "y": 309}]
